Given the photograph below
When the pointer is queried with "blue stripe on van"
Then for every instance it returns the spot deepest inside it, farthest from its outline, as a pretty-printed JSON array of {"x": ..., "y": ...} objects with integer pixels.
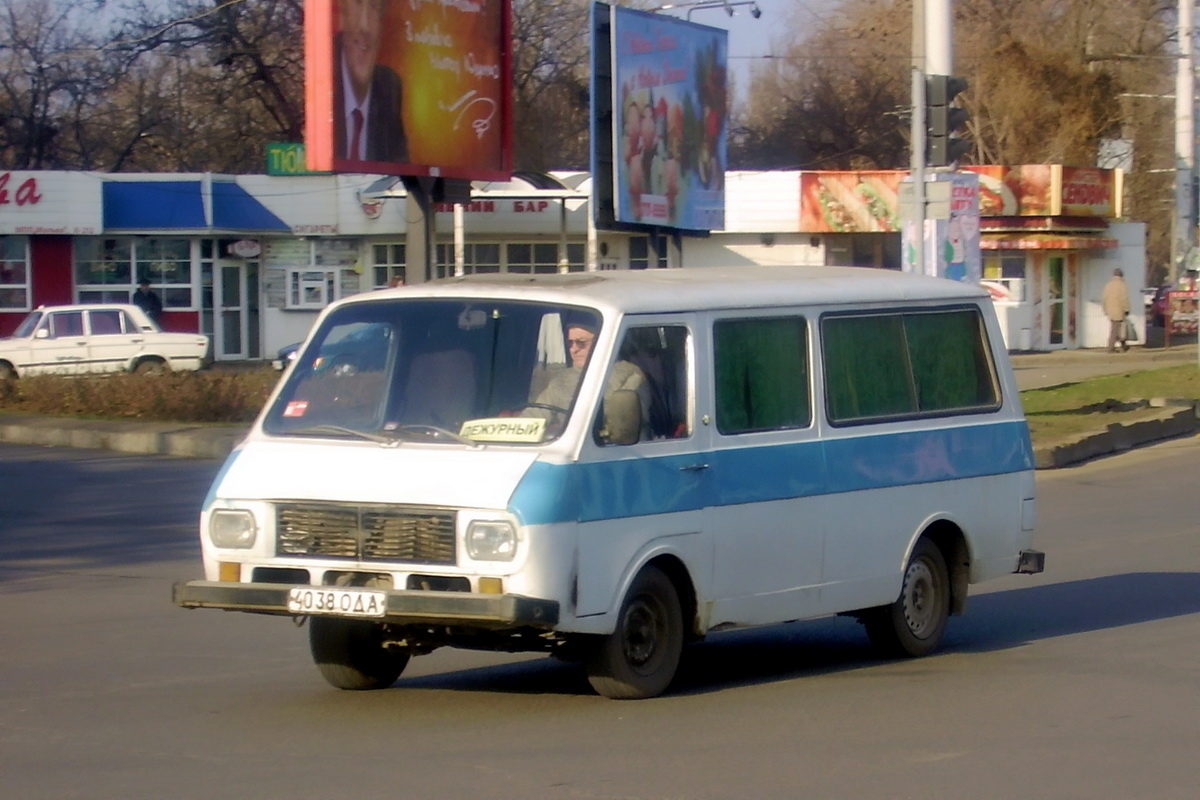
[{"x": 587, "y": 492}]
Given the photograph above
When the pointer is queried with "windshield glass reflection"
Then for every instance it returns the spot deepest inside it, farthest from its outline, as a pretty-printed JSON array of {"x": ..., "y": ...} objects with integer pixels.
[{"x": 452, "y": 371}]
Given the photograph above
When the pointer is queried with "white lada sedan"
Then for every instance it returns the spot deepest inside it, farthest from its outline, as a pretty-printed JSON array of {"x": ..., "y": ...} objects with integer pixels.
[{"x": 89, "y": 339}]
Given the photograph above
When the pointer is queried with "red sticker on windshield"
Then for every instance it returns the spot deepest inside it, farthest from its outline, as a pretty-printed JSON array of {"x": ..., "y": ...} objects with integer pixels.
[{"x": 296, "y": 408}]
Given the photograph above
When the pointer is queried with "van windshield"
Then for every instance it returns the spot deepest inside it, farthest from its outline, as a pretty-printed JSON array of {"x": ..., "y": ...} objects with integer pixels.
[{"x": 438, "y": 370}]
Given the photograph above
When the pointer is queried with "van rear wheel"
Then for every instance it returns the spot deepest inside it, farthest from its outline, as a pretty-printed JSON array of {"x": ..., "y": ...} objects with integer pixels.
[
  {"x": 913, "y": 625},
  {"x": 350, "y": 654},
  {"x": 640, "y": 657}
]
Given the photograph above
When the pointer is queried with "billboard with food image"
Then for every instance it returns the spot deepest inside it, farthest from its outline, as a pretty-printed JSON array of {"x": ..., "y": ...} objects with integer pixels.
[
  {"x": 669, "y": 121},
  {"x": 1047, "y": 190},
  {"x": 850, "y": 202}
]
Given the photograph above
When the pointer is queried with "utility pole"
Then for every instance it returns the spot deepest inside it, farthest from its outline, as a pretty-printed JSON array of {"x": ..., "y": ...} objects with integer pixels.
[
  {"x": 1183, "y": 238},
  {"x": 917, "y": 136}
]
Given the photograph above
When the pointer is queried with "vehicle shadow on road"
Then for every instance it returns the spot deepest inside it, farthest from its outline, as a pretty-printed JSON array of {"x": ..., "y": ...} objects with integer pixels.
[{"x": 994, "y": 621}]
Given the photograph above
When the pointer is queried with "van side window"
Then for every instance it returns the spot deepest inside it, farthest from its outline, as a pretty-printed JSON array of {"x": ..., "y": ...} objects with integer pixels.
[
  {"x": 907, "y": 364},
  {"x": 761, "y": 370},
  {"x": 658, "y": 356}
]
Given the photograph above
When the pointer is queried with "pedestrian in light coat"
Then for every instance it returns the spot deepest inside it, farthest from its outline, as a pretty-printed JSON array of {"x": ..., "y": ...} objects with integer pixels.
[{"x": 1116, "y": 307}]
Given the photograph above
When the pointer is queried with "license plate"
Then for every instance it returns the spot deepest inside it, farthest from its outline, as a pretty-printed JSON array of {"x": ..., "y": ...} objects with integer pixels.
[{"x": 343, "y": 602}]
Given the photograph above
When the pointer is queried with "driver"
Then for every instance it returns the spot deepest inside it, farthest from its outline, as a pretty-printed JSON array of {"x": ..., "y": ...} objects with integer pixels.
[{"x": 581, "y": 335}]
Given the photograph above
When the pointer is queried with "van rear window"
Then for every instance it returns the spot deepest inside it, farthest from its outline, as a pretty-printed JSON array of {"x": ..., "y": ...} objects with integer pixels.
[{"x": 882, "y": 367}]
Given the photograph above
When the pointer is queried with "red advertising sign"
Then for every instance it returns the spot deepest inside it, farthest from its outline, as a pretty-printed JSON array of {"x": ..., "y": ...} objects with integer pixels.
[
  {"x": 1042, "y": 190},
  {"x": 409, "y": 87}
]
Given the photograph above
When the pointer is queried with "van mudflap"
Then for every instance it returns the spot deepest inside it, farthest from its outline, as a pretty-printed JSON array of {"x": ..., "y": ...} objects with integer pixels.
[{"x": 1030, "y": 562}]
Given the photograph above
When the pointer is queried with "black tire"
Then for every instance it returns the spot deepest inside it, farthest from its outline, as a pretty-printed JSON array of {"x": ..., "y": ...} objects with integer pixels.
[
  {"x": 640, "y": 657},
  {"x": 7, "y": 373},
  {"x": 350, "y": 654},
  {"x": 913, "y": 625},
  {"x": 151, "y": 366}
]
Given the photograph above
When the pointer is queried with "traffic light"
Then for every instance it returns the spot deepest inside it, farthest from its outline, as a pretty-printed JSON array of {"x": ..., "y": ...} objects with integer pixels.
[{"x": 943, "y": 119}]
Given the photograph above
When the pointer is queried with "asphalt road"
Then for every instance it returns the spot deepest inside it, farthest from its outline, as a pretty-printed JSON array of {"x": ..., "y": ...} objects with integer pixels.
[{"x": 1082, "y": 682}]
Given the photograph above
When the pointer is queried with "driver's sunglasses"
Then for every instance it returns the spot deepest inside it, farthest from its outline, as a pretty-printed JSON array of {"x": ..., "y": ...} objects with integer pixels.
[{"x": 580, "y": 343}]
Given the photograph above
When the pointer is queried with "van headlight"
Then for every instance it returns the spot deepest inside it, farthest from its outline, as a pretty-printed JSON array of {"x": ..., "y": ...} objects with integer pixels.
[
  {"x": 233, "y": 528},
  {"x": 491, "y": 540}
]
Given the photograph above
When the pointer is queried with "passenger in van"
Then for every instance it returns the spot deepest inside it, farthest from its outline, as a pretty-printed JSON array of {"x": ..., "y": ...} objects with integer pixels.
[{"x": 560, "y": 391}]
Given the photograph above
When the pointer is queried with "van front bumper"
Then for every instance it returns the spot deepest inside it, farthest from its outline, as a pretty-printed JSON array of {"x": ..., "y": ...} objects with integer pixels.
[{"x": 497, "y": 612}]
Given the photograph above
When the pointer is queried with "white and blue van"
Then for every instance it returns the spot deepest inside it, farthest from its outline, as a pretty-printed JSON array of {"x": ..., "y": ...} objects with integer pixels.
[{"x": 607, "y": 466}]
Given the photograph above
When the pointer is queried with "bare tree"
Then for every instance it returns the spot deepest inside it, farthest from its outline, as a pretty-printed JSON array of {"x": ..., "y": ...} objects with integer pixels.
[
  {"x": 52, "y": 81},
  {"x": 835, "y": 98}
]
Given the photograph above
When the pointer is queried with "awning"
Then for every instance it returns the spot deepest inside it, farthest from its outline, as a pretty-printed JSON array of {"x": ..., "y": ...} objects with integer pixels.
[
  {"x": 153, "y": 205},
  {"x": 1044, "y": 241},
  {"x": 235, "y": 210},
  {"x": 180, "y": 206}
]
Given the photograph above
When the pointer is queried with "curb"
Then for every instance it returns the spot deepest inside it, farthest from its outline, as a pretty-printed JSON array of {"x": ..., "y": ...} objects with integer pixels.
[
  {"x": 1119, "y": 437},
  {"x": 146, "y": 438},
  {"x": 218, "y": 441}
]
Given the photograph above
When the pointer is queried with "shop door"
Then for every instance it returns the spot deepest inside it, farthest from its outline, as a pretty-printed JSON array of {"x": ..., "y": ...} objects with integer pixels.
[
  {"x": 1056, "y": 303},
  {"x": 231, "y": 317}
]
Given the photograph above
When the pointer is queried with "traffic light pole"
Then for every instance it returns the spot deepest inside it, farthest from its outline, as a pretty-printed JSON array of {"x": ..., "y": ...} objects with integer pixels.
[{"x": 917, "y": 164}]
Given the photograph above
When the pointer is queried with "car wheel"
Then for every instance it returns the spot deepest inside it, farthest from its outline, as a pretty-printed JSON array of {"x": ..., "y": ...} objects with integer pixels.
[
  {"x": 640, "y": 657},
  {"x": 349, "y": 654},
  {"x": 152, "y": 366},
  {"x": 913, "y": 625},
  {"x": 7, "y": 373}
]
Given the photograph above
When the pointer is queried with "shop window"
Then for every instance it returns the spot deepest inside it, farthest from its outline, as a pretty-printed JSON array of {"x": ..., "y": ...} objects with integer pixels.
[
  {"x": 109, "y": 270},
  {"x": 310, "y": 288},
  {"x": 14, "y": 273},
  {"x": 641, "y": 256},
  {"x": 540, "y": 258},
  {"x": 478, "y": 258},
  {"x": 576, "y": 256},
  {"x": 387, "y": 264}
]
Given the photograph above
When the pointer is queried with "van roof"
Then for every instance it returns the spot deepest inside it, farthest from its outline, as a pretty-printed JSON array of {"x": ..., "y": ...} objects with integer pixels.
[{"x": 660, "y": 290}]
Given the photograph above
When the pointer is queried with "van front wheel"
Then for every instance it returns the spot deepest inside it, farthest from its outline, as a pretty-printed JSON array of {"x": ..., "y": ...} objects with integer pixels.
[
  {"x": 913, "y": 625},
  {"x": 350, "y": 654},
  {"x": 639, "y": 658}
]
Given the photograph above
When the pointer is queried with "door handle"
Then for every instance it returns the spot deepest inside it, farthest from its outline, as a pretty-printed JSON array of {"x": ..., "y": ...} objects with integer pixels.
[{"x": 694, "y": 468}]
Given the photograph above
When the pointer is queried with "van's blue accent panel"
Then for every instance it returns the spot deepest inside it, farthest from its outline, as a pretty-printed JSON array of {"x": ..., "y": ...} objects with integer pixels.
[
  {"x": 759, "y": 474},
  {"x": 550, "y": 493},
  {"x": 607, "y": 489},
  {"x": 872, "y": 462}
]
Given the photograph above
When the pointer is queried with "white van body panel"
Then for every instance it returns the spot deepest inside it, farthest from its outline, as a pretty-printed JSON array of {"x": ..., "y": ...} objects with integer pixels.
[
  {"x": 364, "y": 472},
  {"x": 753, "y": 527}
]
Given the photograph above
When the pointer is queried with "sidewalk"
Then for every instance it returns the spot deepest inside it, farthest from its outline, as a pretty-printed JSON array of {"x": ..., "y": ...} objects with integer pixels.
[
  {"x": 1032, "y": 370},
  {"x": 1040, "y": 370}
]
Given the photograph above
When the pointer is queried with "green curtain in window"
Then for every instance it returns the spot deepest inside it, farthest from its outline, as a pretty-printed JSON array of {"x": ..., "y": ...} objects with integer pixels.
[{"x": 761, "y": 374}]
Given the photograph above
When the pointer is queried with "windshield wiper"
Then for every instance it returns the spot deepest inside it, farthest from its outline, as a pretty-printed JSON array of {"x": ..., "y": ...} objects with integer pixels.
[
  {"x": 317, "y": 430},
  {"x": 435, "y": 431}
]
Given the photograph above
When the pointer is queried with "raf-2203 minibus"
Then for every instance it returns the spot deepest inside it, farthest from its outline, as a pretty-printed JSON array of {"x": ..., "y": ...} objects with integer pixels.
[{"x": 608, "y": 466}]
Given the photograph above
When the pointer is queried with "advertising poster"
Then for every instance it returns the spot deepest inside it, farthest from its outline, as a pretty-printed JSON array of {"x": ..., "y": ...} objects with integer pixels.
[
  {"x": 409, "y": 87},
  {"x": 670, "y": 123},
  {"x": 1040, "y": 190},
  {"x": 951, "y": 246},
  {"x": 850, "y": 202}
]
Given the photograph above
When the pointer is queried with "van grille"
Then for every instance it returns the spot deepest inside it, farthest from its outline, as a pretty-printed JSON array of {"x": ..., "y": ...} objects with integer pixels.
[{"x": 410, "y": 534}]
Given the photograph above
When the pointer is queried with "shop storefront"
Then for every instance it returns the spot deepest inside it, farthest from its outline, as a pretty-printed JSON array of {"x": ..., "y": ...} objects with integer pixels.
[{"x": 251, "y": 260}]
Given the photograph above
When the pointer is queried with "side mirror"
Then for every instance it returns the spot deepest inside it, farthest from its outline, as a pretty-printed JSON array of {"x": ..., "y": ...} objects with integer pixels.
[
  {"x": 622, "y": 418},
  {"x": 41, "y": 333}
]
